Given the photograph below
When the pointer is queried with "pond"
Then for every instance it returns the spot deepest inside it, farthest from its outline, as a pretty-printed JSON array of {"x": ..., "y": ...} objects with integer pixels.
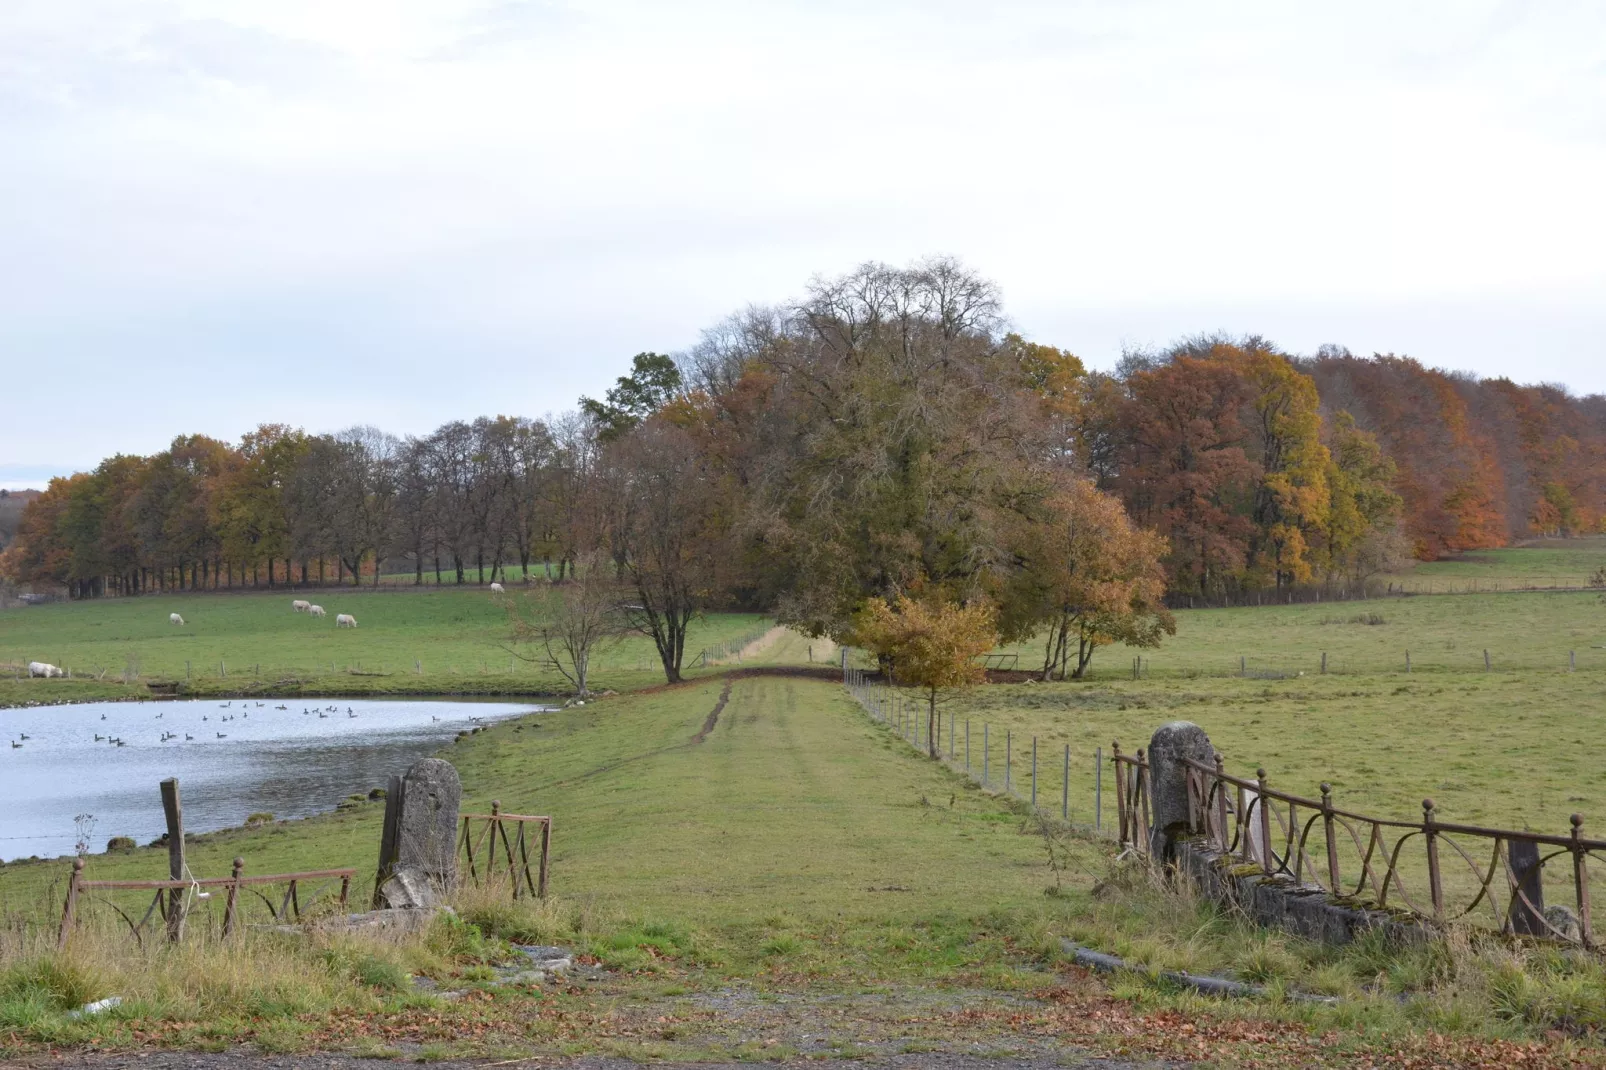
[{"x": 287, "y": 757}]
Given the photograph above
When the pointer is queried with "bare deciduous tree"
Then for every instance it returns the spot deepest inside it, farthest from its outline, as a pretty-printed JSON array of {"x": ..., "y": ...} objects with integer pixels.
[{"x": 569, "y": 623}]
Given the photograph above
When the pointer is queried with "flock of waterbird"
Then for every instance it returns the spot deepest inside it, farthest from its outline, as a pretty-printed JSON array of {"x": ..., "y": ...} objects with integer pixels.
[
  {"x": 342, "y": 620},
  {"x": 322, "y": 713}
]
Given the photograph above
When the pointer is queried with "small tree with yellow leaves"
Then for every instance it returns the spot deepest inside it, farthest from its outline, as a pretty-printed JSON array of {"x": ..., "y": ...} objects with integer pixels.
[{"x": 932, "y": 645}]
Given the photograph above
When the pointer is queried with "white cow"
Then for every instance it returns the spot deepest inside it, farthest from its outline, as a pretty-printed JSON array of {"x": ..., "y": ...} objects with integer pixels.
[
  {"x": 316, "y": 611},
  {"x": 300, "y": 605},
  {"x": 496, "y": 588},
  {"x": 175, "y": 618},
  {"x": 345, "y": 620},
  {"x": 43, "y": 668}
]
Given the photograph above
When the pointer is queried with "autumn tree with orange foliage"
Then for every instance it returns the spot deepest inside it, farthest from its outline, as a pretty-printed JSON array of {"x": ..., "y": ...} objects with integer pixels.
[
  {"x": 1089, "y": 577},
  {"x": 933, "y": 644}
]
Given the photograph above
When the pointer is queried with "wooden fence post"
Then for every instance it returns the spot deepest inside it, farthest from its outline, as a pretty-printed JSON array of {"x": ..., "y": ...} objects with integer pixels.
[
  {"x": 173, "y": 810},
  {"x": 232, "y": 902},
  {"x": 70, "y": 908},
  {"x": 546, "y": 850}
]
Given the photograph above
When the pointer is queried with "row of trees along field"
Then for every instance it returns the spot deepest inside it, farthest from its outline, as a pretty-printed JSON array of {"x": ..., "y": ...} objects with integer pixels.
[{"x": 886, "y": 435}]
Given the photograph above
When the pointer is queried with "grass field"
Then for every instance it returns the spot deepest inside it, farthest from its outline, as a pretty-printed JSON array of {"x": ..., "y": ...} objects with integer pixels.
[
  {"x": 233, "y": 641},
  {"x": 1540, "y": 563},
  {"x": 799, "y": 845},
  {"x": 1527, "y": 632},
  {"x": 796, "y": 882}
]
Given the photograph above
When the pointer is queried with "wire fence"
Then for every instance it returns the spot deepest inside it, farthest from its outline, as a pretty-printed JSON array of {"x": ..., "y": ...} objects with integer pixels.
[
  {"x": 1045, "y": 779},
  {"x": 730, "y": 650}
]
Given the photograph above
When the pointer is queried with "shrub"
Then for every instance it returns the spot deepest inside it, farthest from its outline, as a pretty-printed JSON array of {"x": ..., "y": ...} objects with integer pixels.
[
  {"x": 262, "y": 817},
  {"x": 120, "y": 843}
]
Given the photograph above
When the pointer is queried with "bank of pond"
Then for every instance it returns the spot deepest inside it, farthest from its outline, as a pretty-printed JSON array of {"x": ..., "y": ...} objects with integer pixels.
[{"x": 76, "y": 776}]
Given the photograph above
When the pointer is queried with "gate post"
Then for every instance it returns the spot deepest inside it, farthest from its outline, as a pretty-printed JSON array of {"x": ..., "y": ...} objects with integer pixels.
[{"x": 1170, "y": 745}]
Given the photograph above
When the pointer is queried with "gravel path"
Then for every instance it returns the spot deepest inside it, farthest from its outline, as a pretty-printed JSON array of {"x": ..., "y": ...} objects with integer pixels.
[{"x": 249, "y": 1061}]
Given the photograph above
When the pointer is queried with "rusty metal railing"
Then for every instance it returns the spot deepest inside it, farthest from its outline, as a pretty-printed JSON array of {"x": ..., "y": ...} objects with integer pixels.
[
  {"x": 169, "y": 892},
  {"x": 1132, "y": 798},
  {"x": 1494, "y": 876},
  {"x": 515, "y": 850}
]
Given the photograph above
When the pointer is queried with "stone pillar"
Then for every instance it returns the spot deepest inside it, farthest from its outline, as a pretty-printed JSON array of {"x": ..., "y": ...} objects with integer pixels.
[
  {"x": 418, "y": 861},
  {"x": 1168, "y": 782}
]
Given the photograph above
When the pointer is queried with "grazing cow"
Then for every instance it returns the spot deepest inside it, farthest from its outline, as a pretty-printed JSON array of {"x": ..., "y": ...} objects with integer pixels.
[
  {"x": 43, "y": 668},
  {"x": 316, "y": 611},
  {"x": 300, "y": 605},
  {"x": 175, "y": 618},
  {"x": 345, "y": 620},
  {"x": 496, "y": 588}
]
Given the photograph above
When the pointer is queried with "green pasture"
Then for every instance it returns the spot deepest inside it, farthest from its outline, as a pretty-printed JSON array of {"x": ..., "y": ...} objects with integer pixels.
[
  {"x": 794, "y": 821},
  {"x": 1541, "y": 563},
  {"x": 422, "y": 642},
  {"x": 1530, "y": 632},
  {"x": 798, "y": 854}
]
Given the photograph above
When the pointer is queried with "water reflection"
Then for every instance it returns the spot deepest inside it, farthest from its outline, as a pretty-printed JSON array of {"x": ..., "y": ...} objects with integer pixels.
[{"x": 232, "y": 759}]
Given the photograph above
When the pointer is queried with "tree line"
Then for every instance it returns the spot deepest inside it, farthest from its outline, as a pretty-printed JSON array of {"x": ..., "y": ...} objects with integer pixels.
[{"x": 884, "y": 441}]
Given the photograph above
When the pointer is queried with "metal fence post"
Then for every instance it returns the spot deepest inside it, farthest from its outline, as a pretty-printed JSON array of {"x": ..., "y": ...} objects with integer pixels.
[
  {"x": 1065, "y": 787},
  {"x": 1332, "y": 844},
  {"x": 1581, "y": 881},
  {"x": 1435, "y": 885},
  {"x": 1009, "y": 759},
  {"x": 1120, "y": 789},
  {"x": 1034, "y": 772},
  {"x": 967, "y": 745},
  {"x": 1265, "y": 822},
  {"x": 986, "y": 753},
  {"x": 1098, "y": 789}
]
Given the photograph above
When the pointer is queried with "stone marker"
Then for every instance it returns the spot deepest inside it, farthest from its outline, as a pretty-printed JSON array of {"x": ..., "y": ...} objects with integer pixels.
[
  {"x": 418, "y": 849},
  {"x": 1168, "y": 780}
]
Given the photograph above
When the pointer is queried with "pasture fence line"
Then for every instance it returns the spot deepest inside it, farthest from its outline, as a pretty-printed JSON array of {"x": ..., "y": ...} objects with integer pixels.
[
  {"x": 967, "y": 748},
  {"x": 169, "y": 903},
  {"x": 729, "y": 649},
  {"x": 1374, "y": 589},
  {"x": 1435, "y": 870}
]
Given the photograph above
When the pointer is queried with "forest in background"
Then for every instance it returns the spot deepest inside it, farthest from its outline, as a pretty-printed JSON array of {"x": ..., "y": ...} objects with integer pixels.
[{"x": 885, "y": 434}]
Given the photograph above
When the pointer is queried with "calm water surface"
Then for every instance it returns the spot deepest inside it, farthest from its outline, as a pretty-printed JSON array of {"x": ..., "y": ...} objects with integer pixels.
[{"x": 231, "y": 759}]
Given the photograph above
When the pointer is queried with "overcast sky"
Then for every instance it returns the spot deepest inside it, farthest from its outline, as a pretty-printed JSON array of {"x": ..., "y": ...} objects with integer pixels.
[{"x": 399, "y": 212}]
